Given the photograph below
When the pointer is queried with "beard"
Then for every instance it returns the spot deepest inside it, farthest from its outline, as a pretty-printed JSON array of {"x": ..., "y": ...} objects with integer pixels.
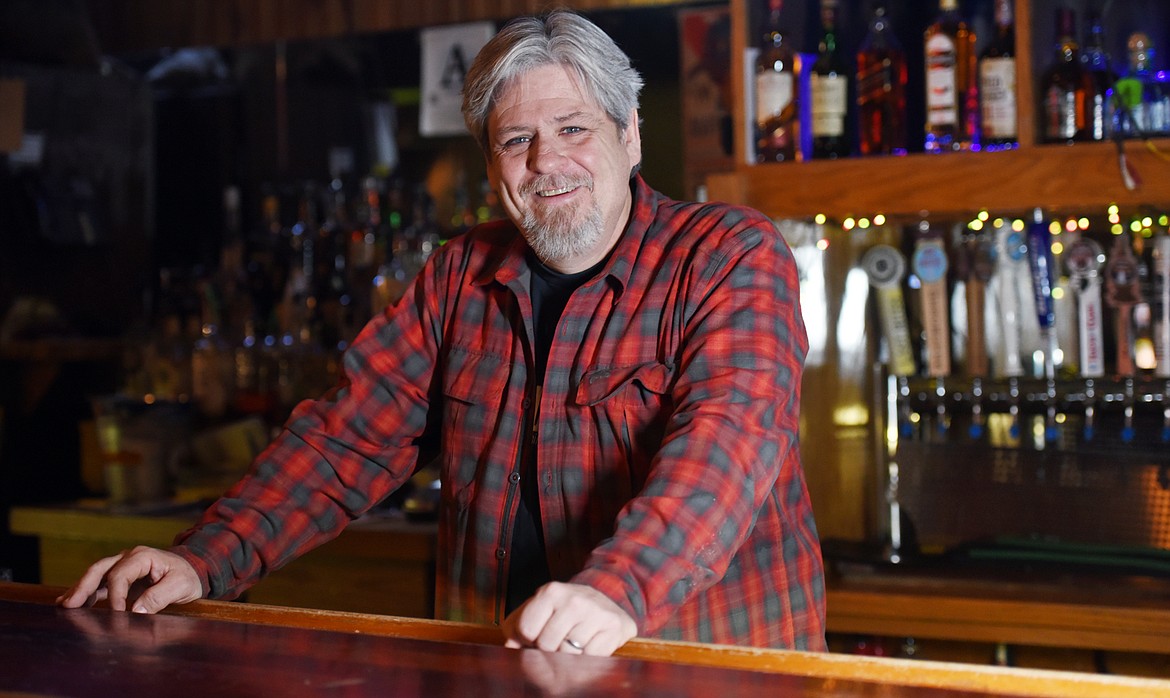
[{"x": 560, "y": 233}]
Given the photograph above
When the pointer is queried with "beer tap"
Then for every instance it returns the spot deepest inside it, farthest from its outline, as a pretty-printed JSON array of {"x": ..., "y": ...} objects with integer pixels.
[
  {"x": 1042, "y": 267},
  {"x": 930, "y": 265},
  {"x": 1160, "y": 272},
  {"x": 1010, "y": 254},
  {"x": 885, "y": 267},
  {"x": 1084, "y": 259},
  {"x": 1122, "y": 293},
  {"x": 976, "y": 265}
]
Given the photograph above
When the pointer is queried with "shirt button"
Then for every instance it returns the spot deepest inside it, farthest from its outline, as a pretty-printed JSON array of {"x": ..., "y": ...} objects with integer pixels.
[
  {"x": 525, "y": 403},
  {"x": 501, "y": 553},
  {"x": 514, "y": 478}
]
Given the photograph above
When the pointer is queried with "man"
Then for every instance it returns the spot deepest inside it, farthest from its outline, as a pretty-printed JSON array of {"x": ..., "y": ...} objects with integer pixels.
[{"x": 610, "y": 380}]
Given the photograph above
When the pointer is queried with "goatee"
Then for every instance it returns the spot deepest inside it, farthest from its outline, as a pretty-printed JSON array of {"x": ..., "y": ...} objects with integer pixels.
[{"x": 560, "y": 233}]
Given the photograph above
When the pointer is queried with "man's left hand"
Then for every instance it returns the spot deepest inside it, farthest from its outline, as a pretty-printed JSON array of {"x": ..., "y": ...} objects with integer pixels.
[{"x": 572, "y": 618}]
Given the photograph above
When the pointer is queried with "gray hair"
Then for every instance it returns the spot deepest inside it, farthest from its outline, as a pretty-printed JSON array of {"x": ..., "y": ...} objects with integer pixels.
[{"x": 560, "y": 37}]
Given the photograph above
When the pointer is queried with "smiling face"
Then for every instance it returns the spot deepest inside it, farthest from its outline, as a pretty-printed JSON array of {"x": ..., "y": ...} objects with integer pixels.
[{"x": 561, "y": 167}]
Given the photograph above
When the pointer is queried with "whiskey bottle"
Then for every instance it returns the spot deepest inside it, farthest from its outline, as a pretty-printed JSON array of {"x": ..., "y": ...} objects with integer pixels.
[
  {"x": 829, "y": 88},
  {"x": 1102, "y": 79},
  {"x": 997, "y": 82},
  {"x": 1065, "y": 87},
  {"x": 952, "y": 97},
  {"x": 881, "y": 89},
  {"x": 777, "y": 94}
]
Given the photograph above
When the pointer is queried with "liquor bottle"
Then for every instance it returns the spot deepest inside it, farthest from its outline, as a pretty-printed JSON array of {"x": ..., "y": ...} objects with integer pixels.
[
  {"x": 777, "y": 94},
  {"x": 1065, "y": 87},
  {"x": 1145, "y": 100},
  {"x": 389, "y": 283},
  {"x": 212, "y": 360},
  {"x": 364, "y": 248},
  {"x": 952, "y": 92},
  {"x": 829, "y": 88},
  {"x": 997, "y": 82},
  {"x": 881, "y": 89},
  {"x": 1102, "y": 78}
]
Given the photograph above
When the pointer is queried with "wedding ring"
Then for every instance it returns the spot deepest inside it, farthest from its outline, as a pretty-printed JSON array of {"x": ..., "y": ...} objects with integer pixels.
[{"x": 574, "y": 644}]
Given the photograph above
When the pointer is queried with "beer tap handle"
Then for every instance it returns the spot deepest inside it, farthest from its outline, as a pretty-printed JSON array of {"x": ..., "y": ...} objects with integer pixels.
[
  {"x": 1122, "y": 292},
  {"x": 1084, "y": 259},
  {"x": 886, "y": 267}
]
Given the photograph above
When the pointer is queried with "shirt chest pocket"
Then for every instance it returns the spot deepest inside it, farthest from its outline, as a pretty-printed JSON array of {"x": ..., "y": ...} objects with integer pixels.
[
  {"x": 474, "y": 388},
  {"x": 630, "y": 407}
]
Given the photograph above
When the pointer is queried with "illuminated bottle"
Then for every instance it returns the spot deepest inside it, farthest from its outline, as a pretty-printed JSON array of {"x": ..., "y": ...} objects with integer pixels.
[
  {"x": 997, "y": 82},
  {"x": 952, "y": 96},
  {"x": 881, "y": 90},
  {"x": 1065, "y": 87},
  {"x": 777, "y": 94},
  {"x": 829, "y": 88}
]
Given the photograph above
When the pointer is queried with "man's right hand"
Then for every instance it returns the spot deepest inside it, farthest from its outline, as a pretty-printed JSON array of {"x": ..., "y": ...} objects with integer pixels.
[{"x": 143, "y": 580}]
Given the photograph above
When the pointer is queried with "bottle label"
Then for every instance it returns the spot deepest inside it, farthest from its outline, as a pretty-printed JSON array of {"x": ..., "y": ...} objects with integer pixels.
[
  {"x": 1061, "y": 105},
  {"x": 997, "y": 89},
  {"x": 829, "y": 100},
  {"x": 774, "y": 92},
  {"x": 941, "y": 92}
]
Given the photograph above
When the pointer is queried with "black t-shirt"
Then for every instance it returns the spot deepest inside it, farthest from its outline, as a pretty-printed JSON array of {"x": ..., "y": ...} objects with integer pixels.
[{"x": 528, "y": 569}]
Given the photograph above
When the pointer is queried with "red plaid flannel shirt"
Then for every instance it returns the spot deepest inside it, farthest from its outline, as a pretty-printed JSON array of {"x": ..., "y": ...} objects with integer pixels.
[{"x": 669, "y": 469}]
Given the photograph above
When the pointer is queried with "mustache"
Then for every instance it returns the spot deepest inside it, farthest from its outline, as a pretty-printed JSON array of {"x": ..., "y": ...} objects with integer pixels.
[{"x": 556, "y": 181}]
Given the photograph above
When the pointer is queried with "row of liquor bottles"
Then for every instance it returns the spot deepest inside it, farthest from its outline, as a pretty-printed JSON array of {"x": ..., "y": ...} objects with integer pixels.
[
  {"x": 267, "y": 325},
  {"x": 841, "y": 102},
  {"x": 1038, "y": 297}
]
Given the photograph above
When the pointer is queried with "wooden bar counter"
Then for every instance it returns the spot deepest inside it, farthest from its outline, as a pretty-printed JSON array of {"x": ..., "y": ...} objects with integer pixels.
[
  {"x": 230, "y": 649},
  {"x": 385, "y": 565}
]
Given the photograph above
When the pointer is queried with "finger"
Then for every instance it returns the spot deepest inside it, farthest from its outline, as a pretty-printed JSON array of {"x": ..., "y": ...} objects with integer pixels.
[
  {"x": 604, "y": 644},
  {"x": 170, "y": 588},
  {"x": 531, "y": 619},
  {"x": 133, "y": 566},
  {"x": 89, "y": 588},
  {"x": 571, "y": 645}
]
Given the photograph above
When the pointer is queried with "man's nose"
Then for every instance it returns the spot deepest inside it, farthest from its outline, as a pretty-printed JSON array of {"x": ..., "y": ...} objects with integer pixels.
[{"x": 544, "y": 155}]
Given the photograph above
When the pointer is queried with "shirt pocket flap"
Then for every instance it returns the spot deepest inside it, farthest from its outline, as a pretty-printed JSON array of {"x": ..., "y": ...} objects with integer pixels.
[
  {"x": 598, "y": 385},
  {"x": 474, "y": 378}
]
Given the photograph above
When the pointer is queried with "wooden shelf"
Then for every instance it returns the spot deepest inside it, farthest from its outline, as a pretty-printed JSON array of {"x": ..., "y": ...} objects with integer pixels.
[{"x": 1055, "y": 177}]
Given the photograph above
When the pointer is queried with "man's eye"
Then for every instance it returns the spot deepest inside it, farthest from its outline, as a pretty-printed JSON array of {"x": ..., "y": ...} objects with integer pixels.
[
  {"x": 572, "y": 129},
  {"x": 518, "y": 140}
]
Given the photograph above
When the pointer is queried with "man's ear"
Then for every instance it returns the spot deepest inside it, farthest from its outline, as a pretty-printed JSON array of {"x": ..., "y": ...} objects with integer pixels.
[{"x": 633, "y": 139}]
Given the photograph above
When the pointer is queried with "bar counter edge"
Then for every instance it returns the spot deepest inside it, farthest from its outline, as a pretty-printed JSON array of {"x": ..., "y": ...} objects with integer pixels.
[{"x": 924, "y": 673}]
